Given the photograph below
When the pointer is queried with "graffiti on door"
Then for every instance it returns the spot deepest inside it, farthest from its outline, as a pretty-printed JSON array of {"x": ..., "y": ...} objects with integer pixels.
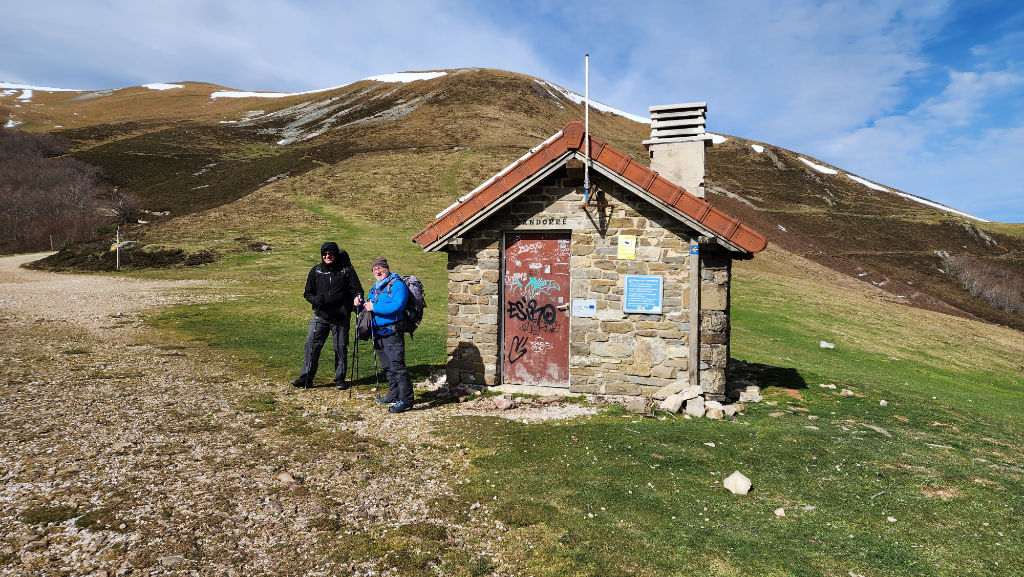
[{"x": 535, "y": 291}]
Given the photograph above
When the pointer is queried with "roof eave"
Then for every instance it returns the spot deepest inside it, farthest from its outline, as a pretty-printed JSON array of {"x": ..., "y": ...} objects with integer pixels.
[{"x": 500, "y": 202}]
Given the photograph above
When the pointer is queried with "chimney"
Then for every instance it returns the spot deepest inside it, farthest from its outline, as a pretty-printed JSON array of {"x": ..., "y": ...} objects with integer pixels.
[{"x": 677, "y": 144}]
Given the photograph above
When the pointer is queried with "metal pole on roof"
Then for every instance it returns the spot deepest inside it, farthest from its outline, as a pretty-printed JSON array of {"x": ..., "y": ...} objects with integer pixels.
[{"x": 586, "y": 132}]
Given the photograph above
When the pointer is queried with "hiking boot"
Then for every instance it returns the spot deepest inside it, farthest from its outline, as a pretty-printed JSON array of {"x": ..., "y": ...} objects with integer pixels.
[
  {"x": 342, "y": 385},
  {"x": 400, "y": 407},
  {"x": 301, "y": 383},
  {"x": 384, "y": 401}
]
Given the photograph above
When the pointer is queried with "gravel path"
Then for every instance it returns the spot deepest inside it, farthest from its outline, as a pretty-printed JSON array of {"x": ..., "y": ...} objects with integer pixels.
[{"x": 123, "y": 452}]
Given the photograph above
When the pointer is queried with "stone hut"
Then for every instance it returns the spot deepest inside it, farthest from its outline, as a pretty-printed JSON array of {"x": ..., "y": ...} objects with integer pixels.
[{"x": 619, "y": 289}]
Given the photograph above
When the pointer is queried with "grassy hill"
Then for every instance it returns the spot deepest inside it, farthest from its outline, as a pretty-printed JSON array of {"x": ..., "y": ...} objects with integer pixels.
[{"x": 400, "y": 152}]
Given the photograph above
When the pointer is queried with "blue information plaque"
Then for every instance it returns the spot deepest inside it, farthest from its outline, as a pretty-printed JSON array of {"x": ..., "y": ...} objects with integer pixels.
[{"x": 643, "y": 294}]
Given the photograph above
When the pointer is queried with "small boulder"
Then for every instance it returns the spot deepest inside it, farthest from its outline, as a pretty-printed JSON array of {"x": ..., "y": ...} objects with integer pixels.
[
  {"x": 751, "y": 395},
  {"x": 737, "y": 483},
  {"x": 780, "y": 512},
  {"x": 668, "y": 390},
  {"x": 846, "y": 393},
  {"x": 172, "y": 560},
  {"x": 827, "y": 345},
  {"x": 637, "y": 405},
  {"x": 504, "y": 403},
  {"x": 714, "y": 413},
  {"x": 672, "y": 404},
  {"x": 695, "y": 407},
  {"x": 690, "y": 392}
]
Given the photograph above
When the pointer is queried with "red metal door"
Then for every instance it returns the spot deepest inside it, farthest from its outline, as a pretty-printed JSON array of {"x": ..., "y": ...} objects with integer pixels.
[{"x": 535, "y": 331}]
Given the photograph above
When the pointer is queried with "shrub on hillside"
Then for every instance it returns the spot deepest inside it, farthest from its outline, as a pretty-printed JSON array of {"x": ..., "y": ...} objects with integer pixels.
[
  {"x": 47, "y": 199},
  {"x": 986, "y": 281}
]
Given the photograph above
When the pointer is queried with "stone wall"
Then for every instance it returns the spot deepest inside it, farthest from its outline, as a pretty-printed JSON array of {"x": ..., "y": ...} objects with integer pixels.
[{"x": 614, "y": 353}]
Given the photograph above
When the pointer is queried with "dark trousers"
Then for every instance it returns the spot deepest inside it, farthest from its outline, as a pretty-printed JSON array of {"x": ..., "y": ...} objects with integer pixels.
[
  {"x": 391, "y": 351},
  {"x": 315, "y": 339}
]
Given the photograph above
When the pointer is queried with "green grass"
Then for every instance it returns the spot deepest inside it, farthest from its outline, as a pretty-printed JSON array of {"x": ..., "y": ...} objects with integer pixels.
[
  {"x": 266, "y": 323},
  {"x": 623, "y": 495}
]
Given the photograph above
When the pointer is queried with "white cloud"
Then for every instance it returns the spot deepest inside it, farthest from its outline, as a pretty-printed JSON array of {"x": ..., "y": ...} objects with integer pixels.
[{"x": 256, "y": 45}]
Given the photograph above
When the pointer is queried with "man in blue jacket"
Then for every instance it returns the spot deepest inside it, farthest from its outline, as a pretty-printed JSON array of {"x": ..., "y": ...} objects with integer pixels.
[{"x": 386, "y": 300}]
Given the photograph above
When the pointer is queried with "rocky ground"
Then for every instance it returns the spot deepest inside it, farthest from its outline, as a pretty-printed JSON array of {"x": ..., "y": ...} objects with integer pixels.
[{"x": 123, "y": 452}]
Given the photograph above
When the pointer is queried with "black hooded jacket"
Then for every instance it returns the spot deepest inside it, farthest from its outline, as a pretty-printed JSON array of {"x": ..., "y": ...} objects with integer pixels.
[{"x": 332, "y": 288}]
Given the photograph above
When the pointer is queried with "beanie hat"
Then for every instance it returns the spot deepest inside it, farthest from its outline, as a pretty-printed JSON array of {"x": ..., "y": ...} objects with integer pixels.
[
  {"x": 380, "y": 261},
  {"x": 329, "y": 247}
]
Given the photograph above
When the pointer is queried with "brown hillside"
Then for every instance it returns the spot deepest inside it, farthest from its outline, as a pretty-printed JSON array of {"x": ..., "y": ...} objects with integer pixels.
[{"x": 401, "y": 152}]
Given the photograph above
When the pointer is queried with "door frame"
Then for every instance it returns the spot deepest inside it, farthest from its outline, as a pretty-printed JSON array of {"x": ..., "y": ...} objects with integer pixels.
[{"x": 502, "y": 304}]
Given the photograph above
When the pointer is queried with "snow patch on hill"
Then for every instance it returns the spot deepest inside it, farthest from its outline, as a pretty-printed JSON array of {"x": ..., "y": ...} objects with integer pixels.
[
  {"x": 593, "y": 103},
  {"x": 818, "y": 167},
  {"x": 404, "y": 77},
  {"x": 162, "y": 86},
  {"x": 241, "y": 94},
  {"x": 873, "y": 186},
  {"x": 868, "y": 184},
  {"x": 30, "y": 87}
]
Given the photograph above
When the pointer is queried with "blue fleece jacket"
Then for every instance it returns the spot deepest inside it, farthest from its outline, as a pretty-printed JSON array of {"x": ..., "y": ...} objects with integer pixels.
[{"x": 388, "y": 305}]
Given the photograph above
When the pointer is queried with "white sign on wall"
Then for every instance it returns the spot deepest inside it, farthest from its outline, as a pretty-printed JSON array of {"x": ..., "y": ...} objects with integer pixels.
[{"x": 584, "y": 308}]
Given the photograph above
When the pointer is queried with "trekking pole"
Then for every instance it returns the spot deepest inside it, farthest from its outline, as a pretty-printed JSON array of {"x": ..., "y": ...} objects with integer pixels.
[
  {"x": 348, "y": 375},
  {"x": 355, "y": 361}
]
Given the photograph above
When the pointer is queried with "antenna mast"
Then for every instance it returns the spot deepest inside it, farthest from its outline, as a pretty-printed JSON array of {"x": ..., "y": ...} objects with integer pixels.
[{"x": 586, "y": 132}]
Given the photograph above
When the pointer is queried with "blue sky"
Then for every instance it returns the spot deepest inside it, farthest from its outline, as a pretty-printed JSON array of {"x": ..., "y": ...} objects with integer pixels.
[{"x": 923, "y": 96}]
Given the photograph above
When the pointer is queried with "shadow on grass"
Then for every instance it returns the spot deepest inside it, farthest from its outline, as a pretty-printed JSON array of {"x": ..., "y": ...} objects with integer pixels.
[
  {"x": 764, "y": 375},
  {"x": 374, "y": 380}
]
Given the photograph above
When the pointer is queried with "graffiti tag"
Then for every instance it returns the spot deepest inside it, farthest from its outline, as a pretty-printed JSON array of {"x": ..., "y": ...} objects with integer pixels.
[
  {"x": 527, "y": 310},
  {"x": 518, "y": 349},
  {"x": 533, "y": 287}
]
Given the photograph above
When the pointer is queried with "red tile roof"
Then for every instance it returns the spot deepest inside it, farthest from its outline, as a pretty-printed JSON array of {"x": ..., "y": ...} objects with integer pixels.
[{"x": 570, "y": 139}]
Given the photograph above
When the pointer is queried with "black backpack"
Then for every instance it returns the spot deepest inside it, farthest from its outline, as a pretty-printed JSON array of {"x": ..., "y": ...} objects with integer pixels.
[{"x": 413, "y": 314}]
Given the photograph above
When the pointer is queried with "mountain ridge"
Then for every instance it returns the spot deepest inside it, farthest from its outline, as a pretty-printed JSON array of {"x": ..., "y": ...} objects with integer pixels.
[{"x": 400, "y": 152}]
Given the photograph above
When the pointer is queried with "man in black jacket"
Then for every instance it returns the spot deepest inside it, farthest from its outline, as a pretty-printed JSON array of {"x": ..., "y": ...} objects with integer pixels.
[{"x": 331, "y": 287}]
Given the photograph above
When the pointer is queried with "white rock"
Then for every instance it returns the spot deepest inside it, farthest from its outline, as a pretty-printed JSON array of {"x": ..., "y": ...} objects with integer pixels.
[
  {"x": 780, "y": 512},
  {"x": 503, "y": 403},
  {"x": 826, "y": 345},
  {"x": 690, "y": 392},
  {"x": 173, "y": 560},
  {"x": 712, "y": 445},
  {"x": 883, "y": 403},
  {"x": 891, "y": 519},
  {"x": 695, "y": 407},
  {"x": 712, "y": 405},
  {"x": 669, "y": 390},
  {"x": 714, "y": 413},
  {"x": 846, "y": 393},
  {"x": 737, "y": 483},
  {"x": 833, "y": 387},
  {"x": 750, "y": 397},
  {"x": 637, "y": 405},
  {"x": 672, "y": 404}
]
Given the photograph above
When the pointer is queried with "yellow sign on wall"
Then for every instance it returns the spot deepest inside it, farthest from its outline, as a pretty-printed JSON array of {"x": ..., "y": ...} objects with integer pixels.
[{"x": 627, "y": 246}]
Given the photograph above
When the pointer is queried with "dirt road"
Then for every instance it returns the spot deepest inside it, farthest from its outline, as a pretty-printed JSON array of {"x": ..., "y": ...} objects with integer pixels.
[{"x": 124, "y": 452}]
